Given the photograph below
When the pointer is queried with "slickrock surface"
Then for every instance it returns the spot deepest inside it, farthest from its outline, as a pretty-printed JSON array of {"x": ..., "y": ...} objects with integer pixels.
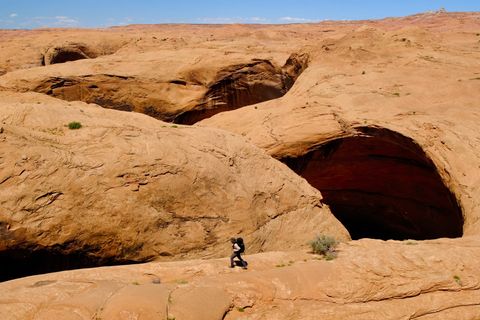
[
  {"x": 380, "y": 118},
  {"x": 370, "y": 279}
]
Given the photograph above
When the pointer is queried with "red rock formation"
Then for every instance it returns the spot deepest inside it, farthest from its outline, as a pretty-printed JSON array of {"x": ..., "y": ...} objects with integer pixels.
[{"x": 178, "y": 100}]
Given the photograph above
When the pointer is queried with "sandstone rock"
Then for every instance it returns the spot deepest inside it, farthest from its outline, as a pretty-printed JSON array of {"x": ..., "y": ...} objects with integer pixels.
[
  {"x": 148, "y": 301},
  {"x": 383, "y": 122},
  {"x": 332, "y": 128},
  {"x": 164, "y": 85},
  {"x": 370, "y": 279},
  {"x": 67, "y": 52},
  {"x": 245, "y": 84},
  {"x": 22, "y": 49},
  {"x": 126, "y": 187}
]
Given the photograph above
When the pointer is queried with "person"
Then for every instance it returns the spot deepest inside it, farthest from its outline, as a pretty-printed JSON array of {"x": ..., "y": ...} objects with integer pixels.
[{"x": 238, "y": 248}]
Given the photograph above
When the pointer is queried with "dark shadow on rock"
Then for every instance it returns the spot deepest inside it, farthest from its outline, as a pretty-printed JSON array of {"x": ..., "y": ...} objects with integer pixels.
[{"x": 381, "y": 184}]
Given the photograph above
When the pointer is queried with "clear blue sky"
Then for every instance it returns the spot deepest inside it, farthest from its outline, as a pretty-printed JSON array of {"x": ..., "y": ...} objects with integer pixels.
[{"x": 99, "y": 13}]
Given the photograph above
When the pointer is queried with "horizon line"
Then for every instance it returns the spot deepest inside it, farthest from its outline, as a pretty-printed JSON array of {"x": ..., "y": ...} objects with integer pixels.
[{"x": 246, "y": 22}]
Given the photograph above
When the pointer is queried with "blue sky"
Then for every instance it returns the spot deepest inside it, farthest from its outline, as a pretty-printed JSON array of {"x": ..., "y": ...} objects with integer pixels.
[{"x": 27, "y": 14}]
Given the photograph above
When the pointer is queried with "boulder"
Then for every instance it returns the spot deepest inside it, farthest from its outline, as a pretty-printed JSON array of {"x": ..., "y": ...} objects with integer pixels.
[{"x": 125, "y": 187}]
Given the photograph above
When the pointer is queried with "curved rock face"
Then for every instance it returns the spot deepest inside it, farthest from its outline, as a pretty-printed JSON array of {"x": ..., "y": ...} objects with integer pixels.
[
  {"x": 246, "y": 84},
  {"x": 154, "y": 98},
  {"x": 126, "y": 187},
  {"x": 382, "y": 185},
  {"x": 34, "y": 48}
]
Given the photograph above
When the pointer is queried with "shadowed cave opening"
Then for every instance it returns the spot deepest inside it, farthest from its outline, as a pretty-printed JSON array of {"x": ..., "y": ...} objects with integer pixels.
[
  {"x": 27, "y": 261},
  {"x": 246, "y": 84},
  {"x": 381, "y": 184},
  {"x": 237, "y": 91},
  {"x": 63, "y": 55}
]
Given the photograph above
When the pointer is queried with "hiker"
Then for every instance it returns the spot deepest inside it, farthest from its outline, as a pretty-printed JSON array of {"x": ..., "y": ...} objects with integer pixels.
[{"x": 238, "y": 248}]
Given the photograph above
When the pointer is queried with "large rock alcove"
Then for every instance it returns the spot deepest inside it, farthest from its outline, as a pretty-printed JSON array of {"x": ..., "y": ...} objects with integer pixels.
[
  {"x": 246, "y": 84},
  {"x": 381, "y": 184}
]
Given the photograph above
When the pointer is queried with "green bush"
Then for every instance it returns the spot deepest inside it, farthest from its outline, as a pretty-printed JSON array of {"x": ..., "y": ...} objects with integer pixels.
[
  {"x": 457, "y": 280},
  {"x": 74, "y": 125},
  {"x": 324, "y": 245}
]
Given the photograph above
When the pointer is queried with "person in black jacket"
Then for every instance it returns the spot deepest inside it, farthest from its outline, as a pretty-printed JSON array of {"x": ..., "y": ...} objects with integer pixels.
[{"x": 238, "y": 247}]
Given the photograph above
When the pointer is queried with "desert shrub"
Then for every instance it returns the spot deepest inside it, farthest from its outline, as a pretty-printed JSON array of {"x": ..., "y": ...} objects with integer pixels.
[
  {"x": 74, "y": 125},
  {"x": 324, "y": 245}
]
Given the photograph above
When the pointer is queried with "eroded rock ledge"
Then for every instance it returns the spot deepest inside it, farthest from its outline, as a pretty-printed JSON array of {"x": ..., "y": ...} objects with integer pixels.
[
  {"x": 67, "y": 52},
  {"x": 246, "y": 84},
  {"x": 183, "y": 99}
]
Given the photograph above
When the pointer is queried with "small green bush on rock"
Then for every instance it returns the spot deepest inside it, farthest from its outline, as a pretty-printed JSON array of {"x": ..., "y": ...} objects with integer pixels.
[
  {"x": 74, "y": 125},
  {"x": 324, "y": 245}
]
